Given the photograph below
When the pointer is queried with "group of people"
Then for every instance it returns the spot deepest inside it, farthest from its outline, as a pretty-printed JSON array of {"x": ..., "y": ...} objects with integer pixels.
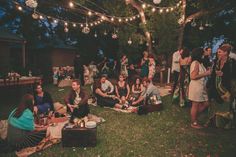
[
  {"x": 204, "y": 81},
  {"x": 198, "y": 79}
]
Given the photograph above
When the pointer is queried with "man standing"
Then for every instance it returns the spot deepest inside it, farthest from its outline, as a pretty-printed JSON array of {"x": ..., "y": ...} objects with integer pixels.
[
  {"x": 176, "y": 67},
  {"x": 76, "y": 101},
  {"x": 149, "y": 100},
  {"x": 79, "y": 69}
]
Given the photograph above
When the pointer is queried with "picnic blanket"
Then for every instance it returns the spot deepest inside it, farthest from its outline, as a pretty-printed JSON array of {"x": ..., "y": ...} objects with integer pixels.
[{"x": 53, "y": 135}]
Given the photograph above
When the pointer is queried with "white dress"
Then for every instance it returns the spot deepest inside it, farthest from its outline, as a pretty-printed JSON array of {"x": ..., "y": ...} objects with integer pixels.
[{"x": 197, "y": 88}]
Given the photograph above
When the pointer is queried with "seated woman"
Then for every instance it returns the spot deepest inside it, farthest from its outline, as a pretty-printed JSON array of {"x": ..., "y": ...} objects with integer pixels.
[
  {"x": 136, "y": 89},
  {"x": 43, "y": 100},
  {"x": 77, "y": 101},
  {"x": 21, "y": 128},
  {"x": 122, "y": 88},
  {"x": 103, "y": 90}
]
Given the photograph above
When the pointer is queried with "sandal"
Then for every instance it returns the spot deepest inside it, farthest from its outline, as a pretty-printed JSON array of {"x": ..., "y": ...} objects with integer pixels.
[{"x": 195, "y": 125}]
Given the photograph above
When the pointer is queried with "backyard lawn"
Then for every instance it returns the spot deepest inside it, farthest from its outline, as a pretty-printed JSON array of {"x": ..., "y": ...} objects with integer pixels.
[{"x": 160, "y": 134}]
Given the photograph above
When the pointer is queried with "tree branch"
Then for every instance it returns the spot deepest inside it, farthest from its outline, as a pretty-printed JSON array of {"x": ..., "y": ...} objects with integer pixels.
[{"x": 204, "y": 12}]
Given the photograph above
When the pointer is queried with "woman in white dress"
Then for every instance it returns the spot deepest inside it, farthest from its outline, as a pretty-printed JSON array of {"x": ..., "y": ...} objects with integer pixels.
[
  {"x": 197, "y": 87},
  {"x": 152, "y": 67}
]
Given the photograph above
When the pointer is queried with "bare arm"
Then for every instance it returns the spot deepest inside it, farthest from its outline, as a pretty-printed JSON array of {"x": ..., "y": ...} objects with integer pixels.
[
  {"x": 195, "y": 73},
  {"x": 99, "y": 92},
  {"x": 128, "y": 91},
  {"x": 117, "y": 92}
]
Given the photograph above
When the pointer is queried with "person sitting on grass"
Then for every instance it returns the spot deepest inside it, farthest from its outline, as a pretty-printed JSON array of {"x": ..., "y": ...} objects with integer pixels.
[
  {"x": 136, "y": 89},
  {"x": 122, "y": 88},
  {"x": 43, "y": 100},
  {"x": 22, "y": 131},
  {"x": 103, "y": 90},
  {"x": 149, "y": 100},
  {"x": 77, "y": 101}
]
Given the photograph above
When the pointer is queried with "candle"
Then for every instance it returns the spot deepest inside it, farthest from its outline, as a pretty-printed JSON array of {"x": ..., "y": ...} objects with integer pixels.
[{"x": 168, "y": 78}]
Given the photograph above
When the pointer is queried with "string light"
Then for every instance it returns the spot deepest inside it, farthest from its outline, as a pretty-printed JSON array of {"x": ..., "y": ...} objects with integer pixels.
[
  {"x": 74, "y": 25},
  {"x": 71, "y": 4},
  {"x": 144, "y": 6},
  {"x": 66, "y": 24},
  {"x": 120, "y": 20},
  {"x": 40, "y": 17},
  {"x": 161, "y": 11},
  {"x": 153, "y": 9},
  {"x": 112, "y": 19},
  {"x": 55, "y": 21},
  {"x": 90, "y": 13},
  {"x": 19, "y": 8}
]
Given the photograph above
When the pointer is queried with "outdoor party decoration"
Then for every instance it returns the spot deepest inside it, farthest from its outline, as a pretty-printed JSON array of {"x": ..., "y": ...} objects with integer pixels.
[
  {"x": 95, "y": 35},
  {"x": 86, "y": 30},
  {"x": 129, "y": 41},
  {"x": 31, "y": 3},
  {"x": 156, "y": 1},
  {"x": 193, "y": 23}
]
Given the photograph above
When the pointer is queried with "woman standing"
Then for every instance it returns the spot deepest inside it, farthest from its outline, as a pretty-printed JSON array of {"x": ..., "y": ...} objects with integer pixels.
[
  {"x": 43, "y": 100},
  {"x": 151, "y": 67},
  {"x": 197, "y": 87},
  {"x": 124, "y": 64},
  {"x": 221, "y": 82},
  {"x": 21, "y": 128},
  {"x": 144, "y": 65},
  {"x": 184, "y": 78}
]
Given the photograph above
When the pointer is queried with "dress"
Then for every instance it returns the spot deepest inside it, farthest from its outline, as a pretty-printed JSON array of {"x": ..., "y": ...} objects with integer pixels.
[
  {"x": 122, "y": 90},
  {"x": 152, "y": 68},
  {"x": 145, "y": 68},
  {"x": 181, "y": 93},
  {"x": 197, "y": 88}
]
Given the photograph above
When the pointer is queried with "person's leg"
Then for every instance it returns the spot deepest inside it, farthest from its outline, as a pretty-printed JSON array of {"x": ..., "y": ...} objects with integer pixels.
[
  {"x": 175, "y": 79},
  {"x": 203, "y": 106},
  {"x": 194, "y": 111}
]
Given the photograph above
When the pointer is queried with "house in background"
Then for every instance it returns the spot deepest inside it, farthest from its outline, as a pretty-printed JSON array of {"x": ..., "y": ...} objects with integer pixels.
[
  {"x": 11, "y": 59},
  {"x": 43, "y": 57}
]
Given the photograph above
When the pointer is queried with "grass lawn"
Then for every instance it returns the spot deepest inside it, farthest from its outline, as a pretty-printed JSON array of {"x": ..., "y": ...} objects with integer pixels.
[{"x": 160, "y": 134}]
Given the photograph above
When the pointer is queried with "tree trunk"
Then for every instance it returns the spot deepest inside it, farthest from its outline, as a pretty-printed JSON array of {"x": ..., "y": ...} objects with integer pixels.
[
  {"x": 182, "y": 25},
  {"x": 144, "y": 22}
]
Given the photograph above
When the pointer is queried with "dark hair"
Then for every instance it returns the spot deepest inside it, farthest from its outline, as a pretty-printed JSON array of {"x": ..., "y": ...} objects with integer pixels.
[
  {"x": 197, "y": 54},
  {"x": 145, "y": 79},
  {"x": 26, "y": 103},
  {"x": 185, "y": 53},
  {"x": 206, "y": 48},
  {"x": 226, "y": 47},
  {"x": 76, "y": 81}
]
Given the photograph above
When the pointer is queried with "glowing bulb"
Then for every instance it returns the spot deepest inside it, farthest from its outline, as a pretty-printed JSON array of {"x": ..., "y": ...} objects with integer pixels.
[
  {"x": 74, "y": 25},
  {"x": 66, "y": 24},
  {"x": 171, "y": 9},
  {"x": 161, "y": 10},
  {"x": 41, "y": 17},
  {"x": 112, "y": 19},
  {"x": 81, "y": 25},
  {"x": 153, "y": 9},
  {"x": 91, "y": 24},
  {"x": 120, "y": 20},
  {"x": 71, "y": 4},
  {"x": 90, "y": 13},
  {"x": 167, "y": 10},
  {"x": 103, "y": 17},
  {"x": 126, "y": 20},
  {"x": 55, "y": 21},
  {"x": 19, "y": 8},
  {"x": 144, "y": 6}
]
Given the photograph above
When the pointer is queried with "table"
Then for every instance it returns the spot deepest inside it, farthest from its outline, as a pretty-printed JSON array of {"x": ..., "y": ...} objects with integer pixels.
[
  {"x": 20, "y": 81},
  {"x": 79, "y": 137}
]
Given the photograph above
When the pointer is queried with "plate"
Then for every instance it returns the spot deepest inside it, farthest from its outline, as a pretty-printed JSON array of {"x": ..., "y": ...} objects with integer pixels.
[{"x": 91, "y": 124}]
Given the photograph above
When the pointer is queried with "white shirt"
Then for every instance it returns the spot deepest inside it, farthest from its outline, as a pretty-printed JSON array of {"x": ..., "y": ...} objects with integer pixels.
[
  {"x": 107, "y": 87},
  {"x": 232, "y": 55},
  {"x": 175, "y": 62}
]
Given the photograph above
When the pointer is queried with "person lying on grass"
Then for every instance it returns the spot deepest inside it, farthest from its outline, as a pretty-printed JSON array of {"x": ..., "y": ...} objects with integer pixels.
[
  {"x": 149, "y": 100},
  {"x": 103, "y": 90},
  {"x": 77, "y": 101}
]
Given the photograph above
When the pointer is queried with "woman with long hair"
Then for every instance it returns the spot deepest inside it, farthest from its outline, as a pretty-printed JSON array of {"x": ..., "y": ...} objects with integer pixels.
[
  {"x": 43, "y": 100},
  {"x": 197, "y": 87},
  {"x": 21, "y": 127}
]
